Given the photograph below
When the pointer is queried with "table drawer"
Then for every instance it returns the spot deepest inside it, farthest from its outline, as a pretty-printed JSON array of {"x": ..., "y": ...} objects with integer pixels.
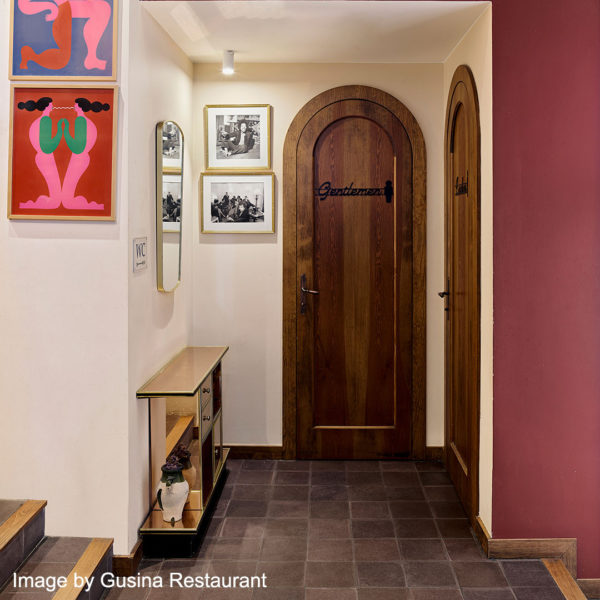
[
  {"x": 207, "y": 418},
  {"x": 206, "y": 390}
]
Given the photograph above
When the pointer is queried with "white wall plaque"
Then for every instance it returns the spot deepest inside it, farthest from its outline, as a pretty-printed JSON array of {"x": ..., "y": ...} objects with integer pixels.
[{"x": 140, "y": 252}]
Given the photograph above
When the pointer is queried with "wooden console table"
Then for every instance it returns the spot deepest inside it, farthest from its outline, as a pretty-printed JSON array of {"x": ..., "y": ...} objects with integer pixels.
[{"x": 192, "y": 379}]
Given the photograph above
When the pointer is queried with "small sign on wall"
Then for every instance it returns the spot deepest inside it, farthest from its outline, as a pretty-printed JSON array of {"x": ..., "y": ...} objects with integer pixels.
[{"x": 140, "y": 251}]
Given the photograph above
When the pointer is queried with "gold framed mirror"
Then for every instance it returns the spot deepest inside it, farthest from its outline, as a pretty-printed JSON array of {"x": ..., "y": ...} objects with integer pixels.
[{"x": 169, "y": 204}]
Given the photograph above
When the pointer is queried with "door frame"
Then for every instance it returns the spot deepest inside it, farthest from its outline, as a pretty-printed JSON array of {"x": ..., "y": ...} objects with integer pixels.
[
  {"x": 464, "y": 75},
  {"x": 290, "y": 275}
]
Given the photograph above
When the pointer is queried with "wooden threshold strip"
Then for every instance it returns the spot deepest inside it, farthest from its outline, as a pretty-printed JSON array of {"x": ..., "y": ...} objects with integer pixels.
[
  {"x": 177, "y": 432},
  {"x": 563, "y": 579},
  {"x": 85, "y": 567},
  {"x": 19, "y": 519}
]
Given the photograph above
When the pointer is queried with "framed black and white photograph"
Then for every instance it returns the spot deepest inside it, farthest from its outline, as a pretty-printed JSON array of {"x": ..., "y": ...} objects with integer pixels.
[
  {"x": 237, "y": 203},
  {"x": 172, "y": 147},
  {"x": 238, "y": 136},
  {"x": 171, "y": 202}
]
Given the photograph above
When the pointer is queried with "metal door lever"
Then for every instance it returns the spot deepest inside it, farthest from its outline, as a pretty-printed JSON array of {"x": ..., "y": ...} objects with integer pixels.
[
  {"x": 442, "y": 294},
  {"x": 303, "y": 292}
]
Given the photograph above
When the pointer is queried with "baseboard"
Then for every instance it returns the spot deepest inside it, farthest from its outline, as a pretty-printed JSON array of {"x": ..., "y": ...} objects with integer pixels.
[
  {"x": 434, "y": 453},
  {"x": 564, "y": 549},
  {"x": 482, "y": 534},
  {"x": 590, "y": 587},
  {"x": 563, "y": 579},
  {"x": 127, "y": 565},
  {"x": 255, "y": 452}
]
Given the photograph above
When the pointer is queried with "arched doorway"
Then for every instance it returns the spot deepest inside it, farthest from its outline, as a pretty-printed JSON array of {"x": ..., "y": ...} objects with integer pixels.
[
  {"x": 354, "y": 229},
  {"x": 463, "y": 293}
]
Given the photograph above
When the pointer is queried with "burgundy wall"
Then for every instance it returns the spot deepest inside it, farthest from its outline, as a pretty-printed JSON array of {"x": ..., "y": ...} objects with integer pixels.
[{"x": 546, "y": 481}]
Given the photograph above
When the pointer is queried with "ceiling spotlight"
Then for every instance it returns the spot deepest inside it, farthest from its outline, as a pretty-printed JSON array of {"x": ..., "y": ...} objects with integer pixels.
[{"x": 228, "y": 62}]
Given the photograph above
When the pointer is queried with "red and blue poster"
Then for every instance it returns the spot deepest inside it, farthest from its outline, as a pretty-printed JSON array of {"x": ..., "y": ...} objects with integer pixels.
[
  {"x": 63, "y": 39},
  {"x": 62, "y": 159}
]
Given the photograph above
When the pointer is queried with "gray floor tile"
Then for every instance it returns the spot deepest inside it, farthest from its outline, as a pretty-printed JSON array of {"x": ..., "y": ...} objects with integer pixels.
[
  {"x": 429, "y": 574},
  {"x": 330, "y": 575},
  {"x": 479, "y": 574},
  {"x": 527, "y": 573},
  {"x": 376, "y": 550},
  {"x": 330, "y": 550},
  {"x": 380, "y": 574}
]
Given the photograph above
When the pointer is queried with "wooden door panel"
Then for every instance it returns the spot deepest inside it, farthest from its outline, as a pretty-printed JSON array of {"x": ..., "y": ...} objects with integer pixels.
[
  {"x": 462, "y": 269},
  {"x": 354, "y": 371}
]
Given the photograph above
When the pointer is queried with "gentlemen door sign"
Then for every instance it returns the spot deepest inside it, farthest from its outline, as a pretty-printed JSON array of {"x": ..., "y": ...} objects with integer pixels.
[
  {"x": 325, "y": 190},
  {"x": 140, "y": 251}
]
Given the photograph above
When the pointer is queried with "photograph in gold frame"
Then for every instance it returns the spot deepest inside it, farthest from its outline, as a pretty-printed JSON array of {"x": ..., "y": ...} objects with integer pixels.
[
  {"x": 237, "y": 137},
  {"x": 237, "y": 202},
  {"x": 62, "y": 159}
]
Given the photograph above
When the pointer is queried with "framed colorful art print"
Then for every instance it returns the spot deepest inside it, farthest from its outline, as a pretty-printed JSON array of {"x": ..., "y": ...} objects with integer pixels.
[
  {"x": 62, "y": 152},
  {"x": 63, "y": 39}
]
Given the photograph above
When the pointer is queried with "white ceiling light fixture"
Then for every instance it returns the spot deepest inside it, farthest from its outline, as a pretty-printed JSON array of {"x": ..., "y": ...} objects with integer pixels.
[{"x": 228, "y": 62}]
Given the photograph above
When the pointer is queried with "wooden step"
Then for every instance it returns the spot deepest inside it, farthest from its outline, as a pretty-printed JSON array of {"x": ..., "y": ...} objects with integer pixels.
[
  {"x": 563, "y": 579},
  {"x": 20, "y": 533},
  {"x": 96, "y": 560}
]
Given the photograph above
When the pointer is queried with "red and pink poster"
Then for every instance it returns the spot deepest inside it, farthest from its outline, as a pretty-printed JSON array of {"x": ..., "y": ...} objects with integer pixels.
[{"x": 63, "y": 150}]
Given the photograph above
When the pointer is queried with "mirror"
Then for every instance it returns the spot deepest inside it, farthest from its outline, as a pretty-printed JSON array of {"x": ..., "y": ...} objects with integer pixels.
[{"x": 169, "y": 196}]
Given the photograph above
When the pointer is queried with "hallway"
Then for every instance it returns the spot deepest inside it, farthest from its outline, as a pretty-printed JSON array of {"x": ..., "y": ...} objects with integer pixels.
[{"x": 347, "y": 531}]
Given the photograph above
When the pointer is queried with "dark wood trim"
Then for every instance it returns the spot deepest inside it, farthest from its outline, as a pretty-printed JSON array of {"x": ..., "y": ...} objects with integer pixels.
[
  {"x": 435, "y": 453},
  {"x": 565, "y": 582},
  {"x": 463, "y": 80},
  {"x": 482, "y": 534},
  {"x": 564, "y": 549},
  {"x": 256, "y": 452},
  {"x": 289, "y": 256},
  {"x": 590, "y": 587},
  {"x": 127, "y": 565}
]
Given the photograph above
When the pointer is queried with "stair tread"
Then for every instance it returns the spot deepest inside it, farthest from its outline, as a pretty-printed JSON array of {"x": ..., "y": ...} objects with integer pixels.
[
  {"x": 8, "y": 507},
  {"x": 57, "y": 557},
  {"x": 18, "y": 520}
]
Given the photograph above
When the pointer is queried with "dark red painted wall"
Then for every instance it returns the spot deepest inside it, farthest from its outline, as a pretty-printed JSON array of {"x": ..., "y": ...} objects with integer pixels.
[{"x": 546, "y": 481}]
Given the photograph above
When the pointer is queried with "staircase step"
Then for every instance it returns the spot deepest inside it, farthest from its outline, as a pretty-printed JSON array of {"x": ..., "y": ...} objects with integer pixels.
[
  {"x": 20, "y": 532},
  {"x": 63, "y": 557}
]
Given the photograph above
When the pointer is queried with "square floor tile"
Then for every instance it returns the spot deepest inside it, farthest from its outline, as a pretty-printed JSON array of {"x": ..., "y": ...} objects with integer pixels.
[
  {"x": 293, "y": 465},
  {"x": 255, "y": 477},
  {"x": 251, "y": 492},
  {"x": 288, "y": 508},
  {"x": 404, "y": 493},
  {"x": 258, "y": 465},
  {"x": 527, "y": 573},
  {"x": 464, "y": 550},
  {"x": 434, "y": 594},
  {"x": 362, "y": 465},
  {"x": 236, "y": 548},
  {"x": 380, "y": 574},
  {"x": 329, "y": 528},
  {"x": 330, "y": 510},
  {"x": 403, "y": 509},
  {"x": 435, "y": 478},
  {"x": 372, "y": 528},
  {"x": 422, "y": 550},
  {"x": 330, "y": 594},
  {"x": 479, "y": 574},
  {"x": 328, "y": 550},
  {"x": 278, "y": 594},
  {"x": 383, "y": 594},
  {"x": 283, "y": 549},
  {"x": 364, "y": 509},
  {"x": 240, "y": 527},
  {"x": 400, "y": 479},
  {"x": 286, "y": 528},
  {"x": 328, "y": 493},
  {"x": 397, "y": 465},
  {"x": 376, "y": 550},
  {"x": 282, "y": 574},
  {"x": 429, "y": 574},
  {"x": 328, "y": 478},
  {"x": 364, "y": 478},
  {"x": 538, "y": 593},
  {"x": 366, "y": 492},
  {"x": 330, "y": 575},
  {"x": 454, "y": 528},
  {"x": 247, "y": 508},
  {"x": 291, "y": 478},
  {"x": 416, "y": 528},
  {"x": 290, "y": 492},
  {"x": 328, "y": 465},
  {"x": 478, "y": 594}
]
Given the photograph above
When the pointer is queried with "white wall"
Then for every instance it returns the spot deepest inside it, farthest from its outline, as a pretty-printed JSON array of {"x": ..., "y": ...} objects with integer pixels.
[
  {"x": 63, "y": 358},
  {"x": 238, "y": 279},
  {"x": 158, "y": 87},
  {"x": 475, "y": 50}
]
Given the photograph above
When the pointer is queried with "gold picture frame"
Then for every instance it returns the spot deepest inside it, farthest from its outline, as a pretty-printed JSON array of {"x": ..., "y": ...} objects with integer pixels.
[
  {"x": 75, "y": 69},
  {"x": 35, "y": 188},
  {"x": 227, "y": 147},
  {"x": 236, "y": 202}
]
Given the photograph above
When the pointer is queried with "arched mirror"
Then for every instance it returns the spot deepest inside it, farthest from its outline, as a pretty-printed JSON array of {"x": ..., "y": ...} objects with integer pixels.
[{"x": 169, "y": 196}]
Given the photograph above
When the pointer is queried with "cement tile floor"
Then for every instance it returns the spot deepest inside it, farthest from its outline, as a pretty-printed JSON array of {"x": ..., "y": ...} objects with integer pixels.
[{"x": 355, "y": 530}]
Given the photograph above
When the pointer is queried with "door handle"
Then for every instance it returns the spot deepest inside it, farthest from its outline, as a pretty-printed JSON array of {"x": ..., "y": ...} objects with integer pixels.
[
  {"x": 446, "y": 294},
  {"x": 442, "y": 294},
  {"x": 303, "y": 292}
]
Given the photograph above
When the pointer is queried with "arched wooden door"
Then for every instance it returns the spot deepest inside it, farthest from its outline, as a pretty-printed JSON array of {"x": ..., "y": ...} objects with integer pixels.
[
  {"x": 462, "y": 296},
  {"x": 354, "y": 181}
]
